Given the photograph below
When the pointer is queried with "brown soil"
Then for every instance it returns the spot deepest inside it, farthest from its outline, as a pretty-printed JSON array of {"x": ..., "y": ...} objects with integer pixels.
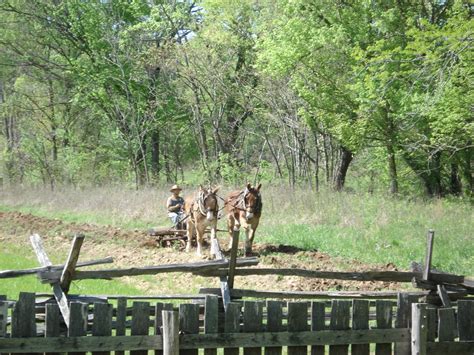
[{"x": 136, "y": 248}]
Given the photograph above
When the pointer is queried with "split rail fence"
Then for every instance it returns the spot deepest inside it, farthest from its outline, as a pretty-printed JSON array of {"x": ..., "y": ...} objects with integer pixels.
[{"x": 316, "y": 327}]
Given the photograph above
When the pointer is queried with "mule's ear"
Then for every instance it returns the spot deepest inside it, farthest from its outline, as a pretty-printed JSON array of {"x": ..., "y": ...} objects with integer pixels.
[
  {"x": 201, "y": 188},
  {"x": 259, "y": 186},
  {"x": 248, "y": 186},
  {"x": 216, "y": 189}
]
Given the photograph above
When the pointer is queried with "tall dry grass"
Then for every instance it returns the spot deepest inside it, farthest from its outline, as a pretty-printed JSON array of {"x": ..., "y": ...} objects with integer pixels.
[{"x": 370, "y": 228}]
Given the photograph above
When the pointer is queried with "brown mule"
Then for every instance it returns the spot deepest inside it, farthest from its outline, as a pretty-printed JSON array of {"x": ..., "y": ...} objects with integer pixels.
[
  {"x": 202, "y": 210},
  {"x": 244, "y": 209}
]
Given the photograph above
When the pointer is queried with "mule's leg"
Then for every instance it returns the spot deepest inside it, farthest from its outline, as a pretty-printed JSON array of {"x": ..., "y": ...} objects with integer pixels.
[
  {"x": 248, "y": 243},
  {"x": 230, "y": 228},
  {"x": 213, "y": 237},
  {"x": 190, "y": 233},
  {"x": 199, "y": 237}
]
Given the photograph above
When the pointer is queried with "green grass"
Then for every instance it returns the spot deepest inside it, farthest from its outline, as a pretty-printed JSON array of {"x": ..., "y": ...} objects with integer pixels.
[
  {"x": 12, "y": 258},
  {"x": 374, "y": 229},
  {"x": 370, "y": 228}
]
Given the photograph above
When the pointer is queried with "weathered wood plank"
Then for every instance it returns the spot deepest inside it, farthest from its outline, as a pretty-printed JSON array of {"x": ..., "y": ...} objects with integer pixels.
[
  {"x": 25, "y": 272},
  {"x": 232, "y": 324},
  {"x": 189, "y": 322},
  {"x": 431, "y": 320},
  {"x": 360, "y": 320},
  {"x": 233, "y": 257},
  {"x": 240, "y": 293},
  {"x": 194, "y": 341},
  {"x": 340, "y": 317},
  {"x": 318, "y": 314},
  {"x": 429, "y": 253},
  {"x": 383, "y": 311},
  {"x": 71, "y": 261},
  {"x": 102, "y": 324},
  {"x": 3, "y": 318},
  {"x": 132, "y": 297},
  {"x": 446, "y": 324},
  {"x": 394, "y": 276},
  {"x": 140, "y": 322},
  {"x": 158, "y": 322},
  {"x": 23, "y": 316},
  {"x": 253, "y": 317},
  {"x": 274, "y": 324},
  {"x": 58, "y": 292},
  {"x": 445, "y": 348},
  {"x": 211, "y": 321},
  {"x": 120, "y": 319},
  {"x": 466, "y": 320},
  {"x": 403, "y": 320},
  {"x": 419, "y": 334},
  {"x": 171, "y": 341},
  {"x": 52, "y": 319},
  {"x": 77, "y": 323},
  {"x": 52, "y": 322},
  {"x": 198, "y": 268},
  {"x": 444, "y": 296},
  {"x": 297, "y": 322}
]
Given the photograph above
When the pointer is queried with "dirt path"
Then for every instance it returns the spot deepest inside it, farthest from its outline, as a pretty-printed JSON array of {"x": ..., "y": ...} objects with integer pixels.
[{"x": 136, "y": 248}]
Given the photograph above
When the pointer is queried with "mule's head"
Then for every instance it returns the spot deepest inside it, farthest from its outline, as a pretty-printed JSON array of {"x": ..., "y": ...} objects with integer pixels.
[
  {"x": 252, "y": 200},
  {"x": 209, "y": 202}
]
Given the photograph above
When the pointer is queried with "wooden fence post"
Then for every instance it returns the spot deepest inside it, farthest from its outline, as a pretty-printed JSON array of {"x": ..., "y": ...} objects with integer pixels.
[
  {"x": 233, "y": 257},
  {"x": 102, "y": 325},
  {"x": 318, "y": 319},
  {"x": 340, "y": 318},
  {"x": 52, "y": 321},
  {"x": 297, "y": 322},
  {"x": 419, "y": 331},
  {"x": 77, "y": 321},
  {"x": 211, "y": 315},
  {"x": 446, "y": 324},
  {"x": 232, "y": 324},
  {"x": 274, "y": 324},
  {"x": 429, "y": 254},
  {"x": 383, "y": 314},
  {"x": 402, "y": 320},
  {"x": 3, "y": 318},
  {"x": 140, "y": 322},
  {"x": 120, "y": 319},
  {"x": 360, "y": 320},
  {"x": 23, "y": 316},
  {"x": 253, "y": 317},
  {"x": 189, "y": 323},
  {"x": 466, "y": 320},
  {"x": 170, "y": 333}
]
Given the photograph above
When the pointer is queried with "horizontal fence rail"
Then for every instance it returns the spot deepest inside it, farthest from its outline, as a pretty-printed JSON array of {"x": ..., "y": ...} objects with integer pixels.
[{"x": 316, "y": 327}]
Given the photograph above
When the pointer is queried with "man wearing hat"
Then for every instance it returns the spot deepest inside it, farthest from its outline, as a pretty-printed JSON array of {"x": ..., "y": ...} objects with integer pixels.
[{"x": 175, "y": 205}]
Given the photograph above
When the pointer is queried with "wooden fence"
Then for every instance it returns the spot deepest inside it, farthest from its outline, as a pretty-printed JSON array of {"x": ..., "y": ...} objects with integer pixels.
[{"x": 338, "y": 326}]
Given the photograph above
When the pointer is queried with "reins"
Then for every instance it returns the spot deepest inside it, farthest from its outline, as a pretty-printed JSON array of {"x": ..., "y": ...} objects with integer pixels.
[{"x": 233, "y": 205}]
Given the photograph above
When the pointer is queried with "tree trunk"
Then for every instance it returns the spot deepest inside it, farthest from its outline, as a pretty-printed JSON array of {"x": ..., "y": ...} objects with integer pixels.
[
  {"x": 155, "y": 154},
  {"x": 343, "y": 166},
  {"x": 392, "y": 169},
  {"x": 467, "y": 168}
]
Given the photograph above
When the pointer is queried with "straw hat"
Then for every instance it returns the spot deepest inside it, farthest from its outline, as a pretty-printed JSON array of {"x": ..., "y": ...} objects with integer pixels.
[{"x": 175, "y": 187}]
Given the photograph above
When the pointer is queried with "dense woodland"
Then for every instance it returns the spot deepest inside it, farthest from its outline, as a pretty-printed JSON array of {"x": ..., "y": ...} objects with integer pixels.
[{"x": 328, "y": 93}]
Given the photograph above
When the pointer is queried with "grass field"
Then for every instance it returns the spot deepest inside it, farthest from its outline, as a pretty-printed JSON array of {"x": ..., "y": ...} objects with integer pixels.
[
  {"x": 368, "y": 228},
  {"x": 12, "y": 257}
]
